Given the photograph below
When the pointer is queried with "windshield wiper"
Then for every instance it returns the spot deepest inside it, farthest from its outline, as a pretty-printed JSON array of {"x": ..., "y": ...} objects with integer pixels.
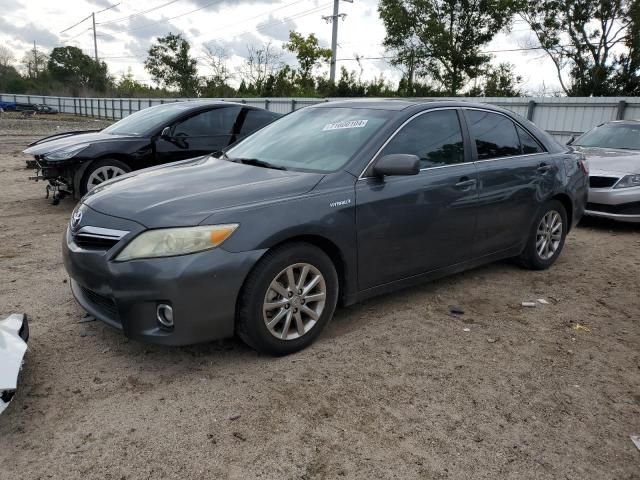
[{"x": 255, "y": 162}]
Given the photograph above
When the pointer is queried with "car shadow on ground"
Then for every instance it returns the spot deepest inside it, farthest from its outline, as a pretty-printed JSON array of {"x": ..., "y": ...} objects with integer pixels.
[{"x": 605, "y": 224}]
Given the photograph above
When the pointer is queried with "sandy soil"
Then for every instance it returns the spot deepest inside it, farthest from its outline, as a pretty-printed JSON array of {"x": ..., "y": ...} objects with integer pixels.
[{"x": 395, "y": 388}]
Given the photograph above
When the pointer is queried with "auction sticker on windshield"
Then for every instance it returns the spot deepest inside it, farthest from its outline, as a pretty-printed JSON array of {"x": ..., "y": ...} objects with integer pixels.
[{"x": 345, "y": 124}]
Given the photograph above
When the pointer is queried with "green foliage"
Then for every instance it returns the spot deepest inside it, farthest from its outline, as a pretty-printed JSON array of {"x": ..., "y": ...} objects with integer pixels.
[
  {"x": 170, "y": 64},
  {"x": 501, "y": 81},
  {"x": 441, "y": 39},
  {"x": 71, "y": 67},
  {"x": 581, "y": 36},
  {"x": 309, "y": 55}
]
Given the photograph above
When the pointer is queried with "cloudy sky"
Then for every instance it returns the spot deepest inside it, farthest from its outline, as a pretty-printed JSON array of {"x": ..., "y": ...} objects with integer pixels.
[{"x": 126, "y": 31}]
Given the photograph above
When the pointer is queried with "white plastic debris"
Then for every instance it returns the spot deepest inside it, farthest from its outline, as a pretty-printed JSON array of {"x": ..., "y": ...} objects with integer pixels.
[
  {"x": 12, "y": 350},
  {"x": 528, "y": 304},
  {"x": 635, "y": 438},
  {"x": 466, "y": 329},
  {"x": 543, "y": 301}
]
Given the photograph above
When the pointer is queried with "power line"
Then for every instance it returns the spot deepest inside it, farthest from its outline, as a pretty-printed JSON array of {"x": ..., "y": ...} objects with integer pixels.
[
  {"x": 164, "y": 20},
  {"x": 140, "y": 12},
  {"x": 76, "y": 24},
  {"x": 89, "y": 16}
]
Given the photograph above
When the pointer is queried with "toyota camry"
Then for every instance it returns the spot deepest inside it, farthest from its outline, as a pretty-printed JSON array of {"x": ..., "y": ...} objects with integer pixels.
[{"x": 331, "y": 204}]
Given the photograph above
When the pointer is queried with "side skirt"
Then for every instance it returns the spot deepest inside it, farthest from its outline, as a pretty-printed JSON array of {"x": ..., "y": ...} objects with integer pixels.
[{"x": 432, "y": 275}]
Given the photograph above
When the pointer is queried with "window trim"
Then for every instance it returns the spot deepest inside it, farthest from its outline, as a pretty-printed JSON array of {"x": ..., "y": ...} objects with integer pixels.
[
  {"x": 395, "y": 132},
  {"x": 465, "y": 133},
  {"x": 516, "y": 124}
]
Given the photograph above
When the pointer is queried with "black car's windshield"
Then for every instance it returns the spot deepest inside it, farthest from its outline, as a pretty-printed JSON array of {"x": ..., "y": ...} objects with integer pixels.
[
  {"x": 314, "y": 139},
  {"x": 612, "y": 135},
  {"x": 143, "y": 121}
]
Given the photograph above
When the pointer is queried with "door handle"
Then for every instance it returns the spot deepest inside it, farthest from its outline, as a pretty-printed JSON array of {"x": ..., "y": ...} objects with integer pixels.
[
  {"x": 465, "y": 183},
  {"x": 543, "y": 168}
]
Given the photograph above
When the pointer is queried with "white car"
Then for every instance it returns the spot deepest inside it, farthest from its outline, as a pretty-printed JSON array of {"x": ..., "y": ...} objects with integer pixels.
[
  {"x": 14, "y": 333},
  {"x": 613, "y": 154}
]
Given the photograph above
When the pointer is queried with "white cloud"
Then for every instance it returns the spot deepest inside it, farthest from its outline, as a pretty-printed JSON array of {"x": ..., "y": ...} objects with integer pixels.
[{"x": 230, "y": 23}]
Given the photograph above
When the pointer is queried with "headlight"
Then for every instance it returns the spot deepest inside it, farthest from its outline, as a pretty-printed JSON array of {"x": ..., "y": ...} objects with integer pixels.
[
  {"x": 629, "y": 181},
  {"x": 167, "y": 242},
  {"x": 66, "y": 152}
]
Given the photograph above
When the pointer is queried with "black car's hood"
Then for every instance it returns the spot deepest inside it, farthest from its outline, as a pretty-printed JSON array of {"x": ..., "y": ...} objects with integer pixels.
[
  {"x": 64, "y": 140},
  {"x": 602, "y": 160},
  {"x": 186, "y": 193}
]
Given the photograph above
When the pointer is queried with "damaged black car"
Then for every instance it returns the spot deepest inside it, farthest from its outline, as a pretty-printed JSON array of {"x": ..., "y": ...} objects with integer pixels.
[{"x": 75, "y": 162}]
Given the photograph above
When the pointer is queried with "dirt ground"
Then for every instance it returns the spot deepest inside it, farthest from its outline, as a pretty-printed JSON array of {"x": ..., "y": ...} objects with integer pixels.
[{"x": 395, "y": 387}]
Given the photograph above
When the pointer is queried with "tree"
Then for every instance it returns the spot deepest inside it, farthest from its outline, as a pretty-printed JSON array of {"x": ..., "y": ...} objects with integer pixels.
[
  {"x": 442, "y": 38},
  {"x": 501, "y": 81},
  {"x": 259, "y": 65},
  {"x": 217, "y": 84},
  {"x": 309, "y": 54},
  {"x": 34, "y": 62},
  {"x": 581, "y": 36},
  {"x": 170, "y": 64},
  {"x": 6, "y": 56},
  {"x": 627, "y": 77},
  {"x": 71, "y": 67}
]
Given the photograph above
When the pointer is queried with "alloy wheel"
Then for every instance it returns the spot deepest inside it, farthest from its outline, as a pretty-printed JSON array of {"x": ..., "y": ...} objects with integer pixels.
[
  {"x": 294, "y": 301},
  {"x": 549, "y": 235},
  {"x": 102, "y": 174}
]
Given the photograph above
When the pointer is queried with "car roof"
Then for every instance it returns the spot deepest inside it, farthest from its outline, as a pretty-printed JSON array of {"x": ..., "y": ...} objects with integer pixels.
[
  {"x": 402, "y": 104},
  {"x": 194, "y": 104}
]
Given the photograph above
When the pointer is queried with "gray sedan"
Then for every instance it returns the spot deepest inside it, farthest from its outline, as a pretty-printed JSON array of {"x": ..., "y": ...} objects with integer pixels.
[
  {"x": 613, "y": 153},
  {"x": 332, "y": 203}
]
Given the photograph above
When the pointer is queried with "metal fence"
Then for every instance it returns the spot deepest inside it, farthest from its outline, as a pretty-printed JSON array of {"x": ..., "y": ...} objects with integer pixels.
[{"x": 562, "y": 117}]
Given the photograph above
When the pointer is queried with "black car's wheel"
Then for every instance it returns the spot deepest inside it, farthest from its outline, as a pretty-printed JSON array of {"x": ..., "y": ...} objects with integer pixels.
[
  {"x": 546, "y": 238},
  {"x": 100, "y": 171},
  {"x": 287, "y": 299}
]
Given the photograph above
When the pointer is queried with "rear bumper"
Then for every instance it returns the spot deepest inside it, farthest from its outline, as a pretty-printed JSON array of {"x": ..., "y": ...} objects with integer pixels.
[{"x": 202, "y": 289}]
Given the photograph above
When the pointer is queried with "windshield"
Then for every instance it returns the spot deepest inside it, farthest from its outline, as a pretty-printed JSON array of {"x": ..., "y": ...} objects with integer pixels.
[
  {"x": 612, "y": 135},
  {"x": 141, "y": 122},
  {"x": 312, "y": 139}
]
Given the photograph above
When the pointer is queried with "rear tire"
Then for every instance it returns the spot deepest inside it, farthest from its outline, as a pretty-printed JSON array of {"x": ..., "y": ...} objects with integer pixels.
[
  {"x": 100, "y": 171},
  {"x": 546, "y": 238},
  {"x": 287, "y": 299}
]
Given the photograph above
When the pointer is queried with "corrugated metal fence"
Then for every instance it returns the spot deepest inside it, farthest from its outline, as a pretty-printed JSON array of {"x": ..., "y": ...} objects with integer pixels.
[{"x": 562, "y": 117}]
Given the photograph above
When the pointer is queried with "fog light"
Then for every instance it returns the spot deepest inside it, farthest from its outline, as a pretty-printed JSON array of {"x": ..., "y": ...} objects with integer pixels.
[{"x": 164, "y": 313}]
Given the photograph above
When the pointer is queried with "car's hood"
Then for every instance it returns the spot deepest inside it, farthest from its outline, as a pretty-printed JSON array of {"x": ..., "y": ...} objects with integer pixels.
[
  {"x": 612, "y": 160},
  {"x": 186, "y": 193},
  {"x": 56, "y": 142}
]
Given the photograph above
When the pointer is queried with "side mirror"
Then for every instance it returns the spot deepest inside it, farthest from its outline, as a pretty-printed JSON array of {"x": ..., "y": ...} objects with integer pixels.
[
  {"x": 571, "y": 140},
  {"x": 166, "y": 133},
  {"x": 397, "y": 164}
]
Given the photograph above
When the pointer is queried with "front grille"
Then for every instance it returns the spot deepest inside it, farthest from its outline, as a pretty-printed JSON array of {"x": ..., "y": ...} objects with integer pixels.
[
  {"x": 632, "y": 208},
  {"x": 94, "y": 242},
  {"x": 104, "y": 304},
  {"x": 602, "y": 182}
]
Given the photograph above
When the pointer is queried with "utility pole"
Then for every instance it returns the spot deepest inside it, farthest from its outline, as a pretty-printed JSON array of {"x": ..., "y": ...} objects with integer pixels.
[
  {"x": 35, "y": 59},
  {"x": 95, "y": 41},
  {"x": 333, "y": 19}
]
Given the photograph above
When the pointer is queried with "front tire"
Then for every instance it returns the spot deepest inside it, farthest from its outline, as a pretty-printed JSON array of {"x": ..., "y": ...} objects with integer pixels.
[
  {"x": 100, "y": 171},
  {"x": 546, "y": 238},
  {"x": 287, "y": 299}
]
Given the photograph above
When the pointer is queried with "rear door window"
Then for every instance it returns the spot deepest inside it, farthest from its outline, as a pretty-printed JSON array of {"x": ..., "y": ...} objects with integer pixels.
[
  {"x": 434, "y": 137},
  {"x": 255, "y": 120},
  {"x": 528, "y": 143},
  {"x": 494, "y": 134},
  {"x": 218, "y": 121}
]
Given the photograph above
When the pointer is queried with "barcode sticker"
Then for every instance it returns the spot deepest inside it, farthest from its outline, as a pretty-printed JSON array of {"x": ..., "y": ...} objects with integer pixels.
[{"x": 345, "y": 124}]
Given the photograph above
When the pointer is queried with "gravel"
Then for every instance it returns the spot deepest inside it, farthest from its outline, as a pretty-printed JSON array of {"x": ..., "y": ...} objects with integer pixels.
[{"x": 393, "y": 389}]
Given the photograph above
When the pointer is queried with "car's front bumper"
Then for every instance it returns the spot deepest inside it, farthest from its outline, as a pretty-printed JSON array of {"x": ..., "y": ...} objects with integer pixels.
[
  {"x": 202, "y": 289},
  {"x": 621, "y": 204}
]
